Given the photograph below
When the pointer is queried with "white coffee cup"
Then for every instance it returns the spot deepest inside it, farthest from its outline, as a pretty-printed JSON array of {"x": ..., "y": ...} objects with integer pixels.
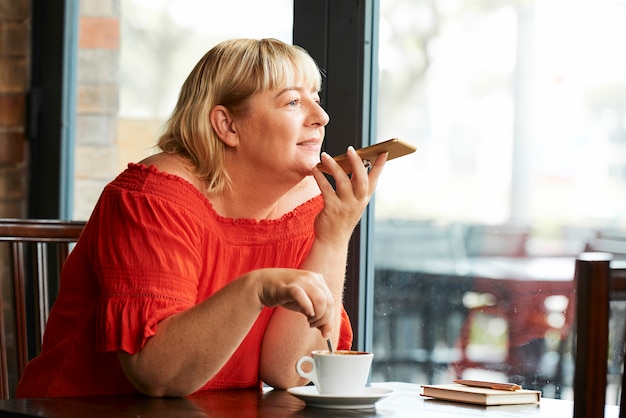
[{"x": 342, "y": 373}]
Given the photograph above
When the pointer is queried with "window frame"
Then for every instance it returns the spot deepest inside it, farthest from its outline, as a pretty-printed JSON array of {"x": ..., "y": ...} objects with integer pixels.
[{"x": 51, "y": 109}]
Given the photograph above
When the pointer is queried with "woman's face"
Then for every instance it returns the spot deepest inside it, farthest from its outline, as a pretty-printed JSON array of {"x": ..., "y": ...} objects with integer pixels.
[{"x": 282, "y": 130}]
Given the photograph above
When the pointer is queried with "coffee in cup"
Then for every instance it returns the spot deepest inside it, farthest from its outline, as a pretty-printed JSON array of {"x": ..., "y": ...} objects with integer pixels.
[{"x": 341, "y": 373}]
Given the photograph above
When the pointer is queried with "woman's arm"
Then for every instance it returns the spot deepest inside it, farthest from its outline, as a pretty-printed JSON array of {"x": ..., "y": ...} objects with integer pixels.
[
  {"x": 288, "y": 337},
  {"x": 190, "y": 347}
]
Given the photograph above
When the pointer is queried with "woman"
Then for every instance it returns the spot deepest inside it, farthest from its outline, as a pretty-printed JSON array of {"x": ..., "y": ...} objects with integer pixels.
[{"x": 219, "y": 261}]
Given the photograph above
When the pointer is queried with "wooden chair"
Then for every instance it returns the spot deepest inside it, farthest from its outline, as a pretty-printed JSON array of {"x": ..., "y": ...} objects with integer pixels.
[
  {"x": 599, "y": 280},
  {"x": 31, "y": 257}
]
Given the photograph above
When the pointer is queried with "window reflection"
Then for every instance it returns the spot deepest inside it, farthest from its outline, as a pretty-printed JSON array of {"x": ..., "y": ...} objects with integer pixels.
[{"x": 517, "y": 112}]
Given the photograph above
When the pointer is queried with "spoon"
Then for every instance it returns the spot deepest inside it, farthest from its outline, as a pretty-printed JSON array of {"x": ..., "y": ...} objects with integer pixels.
[{"x": 330, "y": 346}]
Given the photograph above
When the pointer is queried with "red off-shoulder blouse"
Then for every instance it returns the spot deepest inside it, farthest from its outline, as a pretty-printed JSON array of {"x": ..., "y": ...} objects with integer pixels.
[{"x": 153, "y": 247}]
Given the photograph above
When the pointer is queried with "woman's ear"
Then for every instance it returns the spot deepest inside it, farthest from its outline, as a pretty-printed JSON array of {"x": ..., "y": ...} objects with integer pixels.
[{"x": 223, "y": 124}]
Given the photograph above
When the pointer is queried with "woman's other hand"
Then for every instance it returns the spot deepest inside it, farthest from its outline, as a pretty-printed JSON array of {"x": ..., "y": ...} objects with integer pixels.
[
  {"x": 344, "y": 205},
  {"x": 299, "y": 291}
]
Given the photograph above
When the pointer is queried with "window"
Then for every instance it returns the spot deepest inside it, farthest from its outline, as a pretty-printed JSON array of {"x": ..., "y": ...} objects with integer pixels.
[{"x": 517, "y": 112}]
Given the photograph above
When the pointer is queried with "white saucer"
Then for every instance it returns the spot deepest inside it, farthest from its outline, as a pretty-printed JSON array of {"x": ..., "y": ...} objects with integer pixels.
[{"x": 367, "y": 400}]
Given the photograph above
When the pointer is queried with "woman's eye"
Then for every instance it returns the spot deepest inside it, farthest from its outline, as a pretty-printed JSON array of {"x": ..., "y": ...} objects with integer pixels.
[{"x": 293, "y": 102}]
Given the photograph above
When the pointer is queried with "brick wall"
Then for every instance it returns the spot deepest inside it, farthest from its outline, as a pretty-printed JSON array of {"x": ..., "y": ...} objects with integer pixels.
[{"x": 14, "y": 84}]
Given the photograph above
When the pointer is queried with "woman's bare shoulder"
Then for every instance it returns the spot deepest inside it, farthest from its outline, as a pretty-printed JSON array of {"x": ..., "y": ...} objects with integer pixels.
[{"x": 171, "y": 164}]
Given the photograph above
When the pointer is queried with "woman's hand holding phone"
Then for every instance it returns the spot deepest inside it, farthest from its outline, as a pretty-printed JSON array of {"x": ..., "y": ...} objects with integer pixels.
[{"x": 394, "y": 147}]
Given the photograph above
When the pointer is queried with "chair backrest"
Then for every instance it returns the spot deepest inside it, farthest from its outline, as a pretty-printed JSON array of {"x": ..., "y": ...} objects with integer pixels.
[
  {"x": 599, "y": 280},
  {"x": 32, "y": 253}
]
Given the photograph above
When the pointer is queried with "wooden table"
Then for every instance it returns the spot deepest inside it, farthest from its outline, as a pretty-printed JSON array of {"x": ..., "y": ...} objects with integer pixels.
[{"x": 405, "y": 402}]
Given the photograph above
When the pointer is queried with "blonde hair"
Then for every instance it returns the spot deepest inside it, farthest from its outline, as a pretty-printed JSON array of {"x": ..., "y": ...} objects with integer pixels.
[{"x": 227, "y": 75}]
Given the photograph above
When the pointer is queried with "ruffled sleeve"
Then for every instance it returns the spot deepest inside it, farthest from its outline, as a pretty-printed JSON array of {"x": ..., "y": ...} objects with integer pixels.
[{"x": 147, "y": 261}]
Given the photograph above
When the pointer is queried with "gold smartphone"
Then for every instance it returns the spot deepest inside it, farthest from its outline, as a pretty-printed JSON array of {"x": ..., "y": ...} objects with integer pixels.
[{"x": 395, "y": 147}]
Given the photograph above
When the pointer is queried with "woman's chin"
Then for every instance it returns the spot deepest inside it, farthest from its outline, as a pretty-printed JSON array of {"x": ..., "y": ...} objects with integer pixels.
[{"x": 313, "y": 164}]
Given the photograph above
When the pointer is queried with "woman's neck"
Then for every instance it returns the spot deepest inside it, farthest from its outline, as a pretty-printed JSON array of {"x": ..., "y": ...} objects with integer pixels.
[{"x": 254, "y": 202}]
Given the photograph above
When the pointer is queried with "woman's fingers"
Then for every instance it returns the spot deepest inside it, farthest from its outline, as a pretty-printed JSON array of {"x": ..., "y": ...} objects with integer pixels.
[
  {"x": 326, "y": 329},
  {"x": 376, "y": 170},
  {"x": 344, "y": 204},
  {"x": 300, "y": 302},
  {"x": 361, "y": 183},
  {"x": 299, "y": 291}
]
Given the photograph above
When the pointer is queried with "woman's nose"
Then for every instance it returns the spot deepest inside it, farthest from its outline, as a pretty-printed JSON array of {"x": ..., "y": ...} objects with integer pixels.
[{"x": 319, "y": 115}]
